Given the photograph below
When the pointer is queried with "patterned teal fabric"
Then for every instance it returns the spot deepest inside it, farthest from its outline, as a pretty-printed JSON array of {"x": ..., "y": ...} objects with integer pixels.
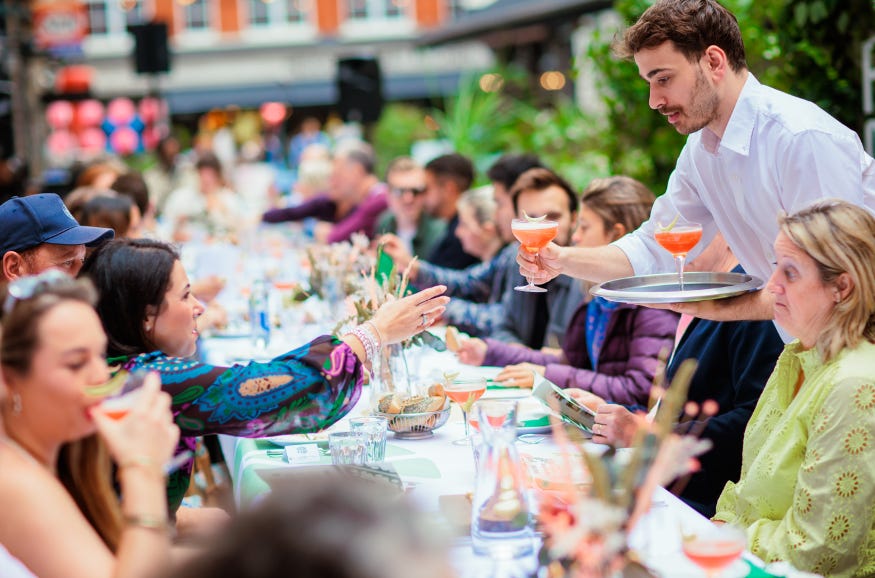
[{"x": 302, "y": 391}]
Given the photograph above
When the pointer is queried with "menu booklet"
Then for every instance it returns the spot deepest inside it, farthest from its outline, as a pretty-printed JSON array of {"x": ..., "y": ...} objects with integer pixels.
[{"x": 570, "y": 410}]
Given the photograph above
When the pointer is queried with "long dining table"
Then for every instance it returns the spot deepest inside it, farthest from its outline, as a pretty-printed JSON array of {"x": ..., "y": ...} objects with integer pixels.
[{"x": 434, "y": 468}]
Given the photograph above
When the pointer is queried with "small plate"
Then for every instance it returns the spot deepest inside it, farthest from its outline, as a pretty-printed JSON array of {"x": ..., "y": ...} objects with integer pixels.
[
  {"x": 295, "y": 439},
  {"x": 663, "y": 288}
]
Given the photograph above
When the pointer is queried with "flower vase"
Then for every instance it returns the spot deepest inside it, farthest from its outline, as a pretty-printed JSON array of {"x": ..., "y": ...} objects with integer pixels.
[{"x": 390, "y": 374}]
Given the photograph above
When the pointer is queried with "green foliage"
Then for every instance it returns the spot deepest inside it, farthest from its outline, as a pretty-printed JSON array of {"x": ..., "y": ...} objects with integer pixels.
[{"x": 399, "y": 127}]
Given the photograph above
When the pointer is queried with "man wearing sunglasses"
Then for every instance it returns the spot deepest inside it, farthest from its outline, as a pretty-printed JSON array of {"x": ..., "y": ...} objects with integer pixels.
[
  {"x": 405, "y": 217},
  {"x": 38, "y": 233}
]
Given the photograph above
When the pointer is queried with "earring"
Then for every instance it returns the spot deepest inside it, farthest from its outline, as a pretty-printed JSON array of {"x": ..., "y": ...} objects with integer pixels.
[{"x": 16, "y": 404}]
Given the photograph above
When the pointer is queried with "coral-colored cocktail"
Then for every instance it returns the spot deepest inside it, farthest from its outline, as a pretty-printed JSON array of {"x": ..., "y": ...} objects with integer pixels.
[
  {"x": 679, "y": 239},
  {"x": 465, "y": 392},
  {"x": 533, "y": 235},
  {"x": 715, "y": 551}
]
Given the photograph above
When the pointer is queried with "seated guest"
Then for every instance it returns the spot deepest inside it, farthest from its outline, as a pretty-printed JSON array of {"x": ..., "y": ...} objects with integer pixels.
[
  {"x": 735, "y": 358},
  {"x": 405, "y": 218},
  {"x": 446, "y": 178},
  {"x": 611, "y": 349},
  {"x": 151, "y": 319},
  {"x": 353, "y": 529},
  {"x": 133, "y": 185},
  {"x": 353, "y": 202},
  {"x": 112, "y": 212},
  {"x": 61, "y": 516},
  {"x": 807, "y": 489},
  {"x": 477, "y": 291},
  {"x": 210, "y": 207},
  {"x": 38, "y": 233}
]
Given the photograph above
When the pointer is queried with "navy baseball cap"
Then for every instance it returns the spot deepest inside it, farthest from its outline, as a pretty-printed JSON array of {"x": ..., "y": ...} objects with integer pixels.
[{"x": 27, "y": 222}]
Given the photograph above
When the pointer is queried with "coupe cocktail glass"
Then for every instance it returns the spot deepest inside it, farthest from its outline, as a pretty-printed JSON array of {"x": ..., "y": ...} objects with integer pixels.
[
  {"x": 533, "y": 235},
  {"x": 679, "y": 240},
  {"x": 715, "y": 550},
  {"x": 465, "y": 391}
]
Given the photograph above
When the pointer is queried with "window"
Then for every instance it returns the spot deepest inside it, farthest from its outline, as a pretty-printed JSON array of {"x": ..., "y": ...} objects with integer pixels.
[
  {"x": 136, "y": 14},
  {"x": 295, "y": 11},
  {"x": 98, "y": 22},
  {"x": 376, "y": 9},
  {"x": 258, "y": 13},
  {"x": 197, "y": 15},
  {"x": 455, "y": 8}
]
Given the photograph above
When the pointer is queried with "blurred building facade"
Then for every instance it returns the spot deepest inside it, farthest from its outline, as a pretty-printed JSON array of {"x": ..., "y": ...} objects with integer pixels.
[{"x": 246, "y": 52}]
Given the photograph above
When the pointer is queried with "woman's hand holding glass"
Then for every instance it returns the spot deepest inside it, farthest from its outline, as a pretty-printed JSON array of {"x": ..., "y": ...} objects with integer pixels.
[{"x": 146, "y": 434}]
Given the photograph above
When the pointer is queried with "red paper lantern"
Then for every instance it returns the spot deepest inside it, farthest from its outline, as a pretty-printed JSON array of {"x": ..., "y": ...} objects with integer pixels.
[
  {"x": 273, "y": 113},
  {"x": 92, "y": 140},
  {"x": 60, "y": 143},
  {"x": 89, "y": 113},
  {"x": 150, "y": 110},
  {"x": 123, "y": 140},
  {"x": 120, "y": 111},
  {"x": 74, "y": 79},
  {"x": 59, "y": 114},
  {"x": 152, "y": 135}
]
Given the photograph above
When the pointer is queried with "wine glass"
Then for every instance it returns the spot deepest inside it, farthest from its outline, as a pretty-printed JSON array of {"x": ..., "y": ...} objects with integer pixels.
[
  {"x": 679, "y": 239},
  {"x": 465, "y": 391},
  {"x": 715, "y": 549},
  {"x": 534, "y": 236}
]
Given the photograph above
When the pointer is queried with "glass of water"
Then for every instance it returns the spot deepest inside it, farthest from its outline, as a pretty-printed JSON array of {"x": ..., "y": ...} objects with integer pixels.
[
  {"x": 374, "y": 428},
  {"x": 347, "y": 448}
]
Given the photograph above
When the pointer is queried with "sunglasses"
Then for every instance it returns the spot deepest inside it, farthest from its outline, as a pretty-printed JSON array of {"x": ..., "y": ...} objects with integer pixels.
[
  {"x": 27, "y": 287},
  {"x": 415, "y": 191}
]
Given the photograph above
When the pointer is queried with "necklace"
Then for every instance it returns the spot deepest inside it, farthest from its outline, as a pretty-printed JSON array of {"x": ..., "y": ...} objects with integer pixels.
[{"x": 14, "y": 445}]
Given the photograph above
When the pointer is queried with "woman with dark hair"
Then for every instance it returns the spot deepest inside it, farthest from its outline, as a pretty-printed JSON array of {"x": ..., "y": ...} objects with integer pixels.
[
  {"x": 150, "y": 317},
  {"x": 610, "y": 349},
  {"x": 112, "y": 212},
  {"x": 56, "y": 488}
]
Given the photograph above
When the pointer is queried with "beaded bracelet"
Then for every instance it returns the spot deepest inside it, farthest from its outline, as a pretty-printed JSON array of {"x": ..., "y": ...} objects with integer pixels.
[
  {"x": 368, "y": 341},
  {"x": 147, "y": 522},
  {"x": 376, "y": 332}
]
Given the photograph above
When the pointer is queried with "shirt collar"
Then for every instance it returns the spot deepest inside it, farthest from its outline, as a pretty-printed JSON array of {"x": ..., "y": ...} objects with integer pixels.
[
  {"x": 810, "y": 359},
  {"x": 739, "y": 130}
]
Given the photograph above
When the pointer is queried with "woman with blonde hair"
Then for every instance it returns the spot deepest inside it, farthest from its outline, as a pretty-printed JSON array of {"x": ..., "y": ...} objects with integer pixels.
[
  {"x": 58, "y": 494},
  {"x": 610, "y": 349},
  {"x": 807, "y": 488}
]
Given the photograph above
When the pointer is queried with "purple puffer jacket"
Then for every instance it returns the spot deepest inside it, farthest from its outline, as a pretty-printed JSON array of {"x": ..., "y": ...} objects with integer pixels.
[{"x": 628, "y": 360}]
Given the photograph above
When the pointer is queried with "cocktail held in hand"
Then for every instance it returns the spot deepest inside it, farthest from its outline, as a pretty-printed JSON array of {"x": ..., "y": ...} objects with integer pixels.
[
  {"x": 534, "y": 235},
  {"x": 679, "y": 239}
]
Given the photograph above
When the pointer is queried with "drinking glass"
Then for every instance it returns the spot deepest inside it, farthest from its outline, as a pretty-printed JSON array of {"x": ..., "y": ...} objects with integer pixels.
[
  {"x": 679, "y": 240},
  {"x": 533, "y": 236},
  {"x": 715, "y": 549},
  {"x": 374, "y": 429},
  {"x": 465, "y": 391},
  {"x": 347, "y": 448},
  {"x": 120, "y": 400}
]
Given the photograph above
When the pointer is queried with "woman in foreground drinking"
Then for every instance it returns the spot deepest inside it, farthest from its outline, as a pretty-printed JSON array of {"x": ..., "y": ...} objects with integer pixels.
[
  {"x": 807, "y": 488},
  {"x": 150, "y": 318},
  {"x": 61, "y": 517}
]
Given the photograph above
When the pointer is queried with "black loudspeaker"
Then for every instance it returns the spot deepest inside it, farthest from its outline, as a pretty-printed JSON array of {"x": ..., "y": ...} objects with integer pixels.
[
  {"x": 359, "y": 89},
  {"x": 151, "y": 54}
]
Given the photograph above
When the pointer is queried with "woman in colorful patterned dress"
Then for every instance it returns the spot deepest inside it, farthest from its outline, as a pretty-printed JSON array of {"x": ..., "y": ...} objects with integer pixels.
[
  {"x": 807, "y": 488},
  {"x": 150, "y": 318}
]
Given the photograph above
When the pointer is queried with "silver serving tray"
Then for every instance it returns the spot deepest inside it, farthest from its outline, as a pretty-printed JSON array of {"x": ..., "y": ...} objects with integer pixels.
[{"x": 663, "y": 288}]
